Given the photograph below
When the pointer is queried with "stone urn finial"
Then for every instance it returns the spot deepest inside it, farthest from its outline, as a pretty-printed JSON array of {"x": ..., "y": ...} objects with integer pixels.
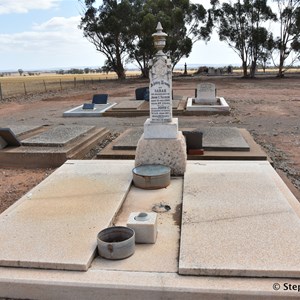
[{"x": 159, "y": 39}]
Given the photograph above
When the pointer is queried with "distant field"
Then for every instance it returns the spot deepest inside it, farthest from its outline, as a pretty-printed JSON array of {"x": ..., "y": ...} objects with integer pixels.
[
  {"x": 11, "y": 86},
  {"x": 15, "y": 85}
]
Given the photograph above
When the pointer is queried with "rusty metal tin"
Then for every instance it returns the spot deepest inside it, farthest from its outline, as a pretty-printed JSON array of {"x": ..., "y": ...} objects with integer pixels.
[
  {"x": 116, "y": 242},
  {"x": 151, "y": 177}
]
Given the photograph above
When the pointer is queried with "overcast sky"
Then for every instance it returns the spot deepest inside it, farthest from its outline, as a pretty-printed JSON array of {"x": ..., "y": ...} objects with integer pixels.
[{"x": 43, "y": 34}]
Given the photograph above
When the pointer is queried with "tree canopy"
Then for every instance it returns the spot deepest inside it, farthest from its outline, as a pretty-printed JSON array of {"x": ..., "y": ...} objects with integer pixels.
[
  {"x": 122, "y": 30},
  {"x": 239, "y": 24},
  {"x": 287, "y": 43}
]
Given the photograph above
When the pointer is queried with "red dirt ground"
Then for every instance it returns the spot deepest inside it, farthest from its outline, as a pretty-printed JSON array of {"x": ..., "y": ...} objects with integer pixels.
[{"x": 269, "y": 108}]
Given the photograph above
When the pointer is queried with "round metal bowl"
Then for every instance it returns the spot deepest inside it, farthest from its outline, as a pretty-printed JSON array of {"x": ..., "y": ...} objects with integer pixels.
[
  {"x": 116, "y": 242},
  {"x": 151, "y": 177}
]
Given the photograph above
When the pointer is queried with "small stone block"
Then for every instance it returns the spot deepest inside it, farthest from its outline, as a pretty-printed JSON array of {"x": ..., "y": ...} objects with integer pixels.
[
  {"x": 88, "y": 106},
  {"x": 144, "y": 225},
  {"x": 195, "y": 151},
  {"x": 166, "y": 130}
]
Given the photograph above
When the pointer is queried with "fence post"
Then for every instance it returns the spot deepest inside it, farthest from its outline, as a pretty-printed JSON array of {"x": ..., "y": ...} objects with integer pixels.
[
  {"x": 24, "y": 88},
  {"x": 74, "y": 82},
  {"x": 45, "y": 85},
  {"x": 1, "y": 97},
  {"x": 60, "y": 84}
]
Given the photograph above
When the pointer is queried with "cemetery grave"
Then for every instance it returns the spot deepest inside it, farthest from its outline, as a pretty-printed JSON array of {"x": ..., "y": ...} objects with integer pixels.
[
  {"x": 229, "y": 225},
  {"x": 51, "y": 147},
  {"x": 207, "y": 101},
  {"x": 225, "y": 143}
]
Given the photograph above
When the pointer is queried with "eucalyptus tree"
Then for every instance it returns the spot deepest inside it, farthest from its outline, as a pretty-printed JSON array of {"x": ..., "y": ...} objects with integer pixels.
[
  {"x": 108, "y": 27},
  {"x": 184, "y": 22},
  {"x": 287, "y": 43},
  {"x": 239, "y": 24},
  {"x": 122, "y": 30}
]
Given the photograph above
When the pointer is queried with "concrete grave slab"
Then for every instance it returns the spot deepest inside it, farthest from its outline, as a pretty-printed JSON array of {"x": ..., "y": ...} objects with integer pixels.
[
  {"x": 51, "y": 157},
  {"x": 58, "y": 136},
  {"x": 98, "y": 110},
  {"x": 54, "y": 226},
  {"x": 223, "y": 139},
  {"x": 124, "y": 148},
  {"x": 150, "y": 276},
  {"x": 127, "y": 104},
  {"x": 162, "y": 256},
  {"x": 9, "y": 137},
  {"x": 129, "y": 139},
  {"x": 243, "y": 216},
  {"x": 214, "y": 139}
]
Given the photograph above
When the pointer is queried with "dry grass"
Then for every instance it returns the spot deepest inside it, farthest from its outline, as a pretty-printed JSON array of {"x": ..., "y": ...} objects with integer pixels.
[{"x": 15, "y": 85}]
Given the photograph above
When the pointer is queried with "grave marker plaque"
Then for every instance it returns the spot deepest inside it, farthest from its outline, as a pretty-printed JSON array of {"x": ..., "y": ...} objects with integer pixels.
[{"x": 88, "y": 106}]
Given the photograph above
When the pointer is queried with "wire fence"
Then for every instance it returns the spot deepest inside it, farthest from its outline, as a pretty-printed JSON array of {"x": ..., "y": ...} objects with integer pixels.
[{"x": 16, "y": 88}]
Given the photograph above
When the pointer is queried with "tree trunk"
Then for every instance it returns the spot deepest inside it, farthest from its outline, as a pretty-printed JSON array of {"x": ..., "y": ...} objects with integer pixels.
[
  {"x": 280, "y": 67},
  {"x": 253, "y": 68},
  {"x": 245, "y": 69},
  {"x": 145, "y": 72},
  {"x": 121, "y": 73}
]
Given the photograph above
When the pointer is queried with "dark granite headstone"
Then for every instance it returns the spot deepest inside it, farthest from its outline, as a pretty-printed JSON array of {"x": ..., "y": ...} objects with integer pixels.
[
  {"x": 9, "y": 137},
  {"x": 193, "y": 139},
  {"x": 88, "y": 106},
  {"x": 142, "y": 93},
  {"x": 100, "y": 99}
]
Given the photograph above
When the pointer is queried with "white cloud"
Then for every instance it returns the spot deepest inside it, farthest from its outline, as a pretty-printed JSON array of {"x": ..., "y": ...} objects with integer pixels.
[
  {"x": 57, "y": 42},
  {"x": 59, "y": 23},
  {"x": 24, "y": 6},
  {"x": 55, "y": 33}
]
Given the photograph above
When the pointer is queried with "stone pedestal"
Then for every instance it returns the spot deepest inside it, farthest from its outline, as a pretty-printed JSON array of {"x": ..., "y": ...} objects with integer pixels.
[
  {"x": 168, "y": 152},
  {"x": 161, "y": 130}
]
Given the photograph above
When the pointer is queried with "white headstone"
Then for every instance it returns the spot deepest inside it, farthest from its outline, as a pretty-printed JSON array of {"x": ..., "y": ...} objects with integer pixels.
[
  {"x": 206, "y": 93},
  {"x": 161, "y": 124},
  {"x": 161, "y": 142},
  {"x": 161, "y": 90}
]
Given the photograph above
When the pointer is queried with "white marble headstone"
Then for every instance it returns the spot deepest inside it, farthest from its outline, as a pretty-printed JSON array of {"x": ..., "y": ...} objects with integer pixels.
[
  {"x": 161, "y": 90},
  {"x": 206, "y": 93}
]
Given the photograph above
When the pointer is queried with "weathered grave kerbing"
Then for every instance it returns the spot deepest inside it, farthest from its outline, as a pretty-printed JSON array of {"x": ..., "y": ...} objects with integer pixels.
[{"x": 161, "y": 142}]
